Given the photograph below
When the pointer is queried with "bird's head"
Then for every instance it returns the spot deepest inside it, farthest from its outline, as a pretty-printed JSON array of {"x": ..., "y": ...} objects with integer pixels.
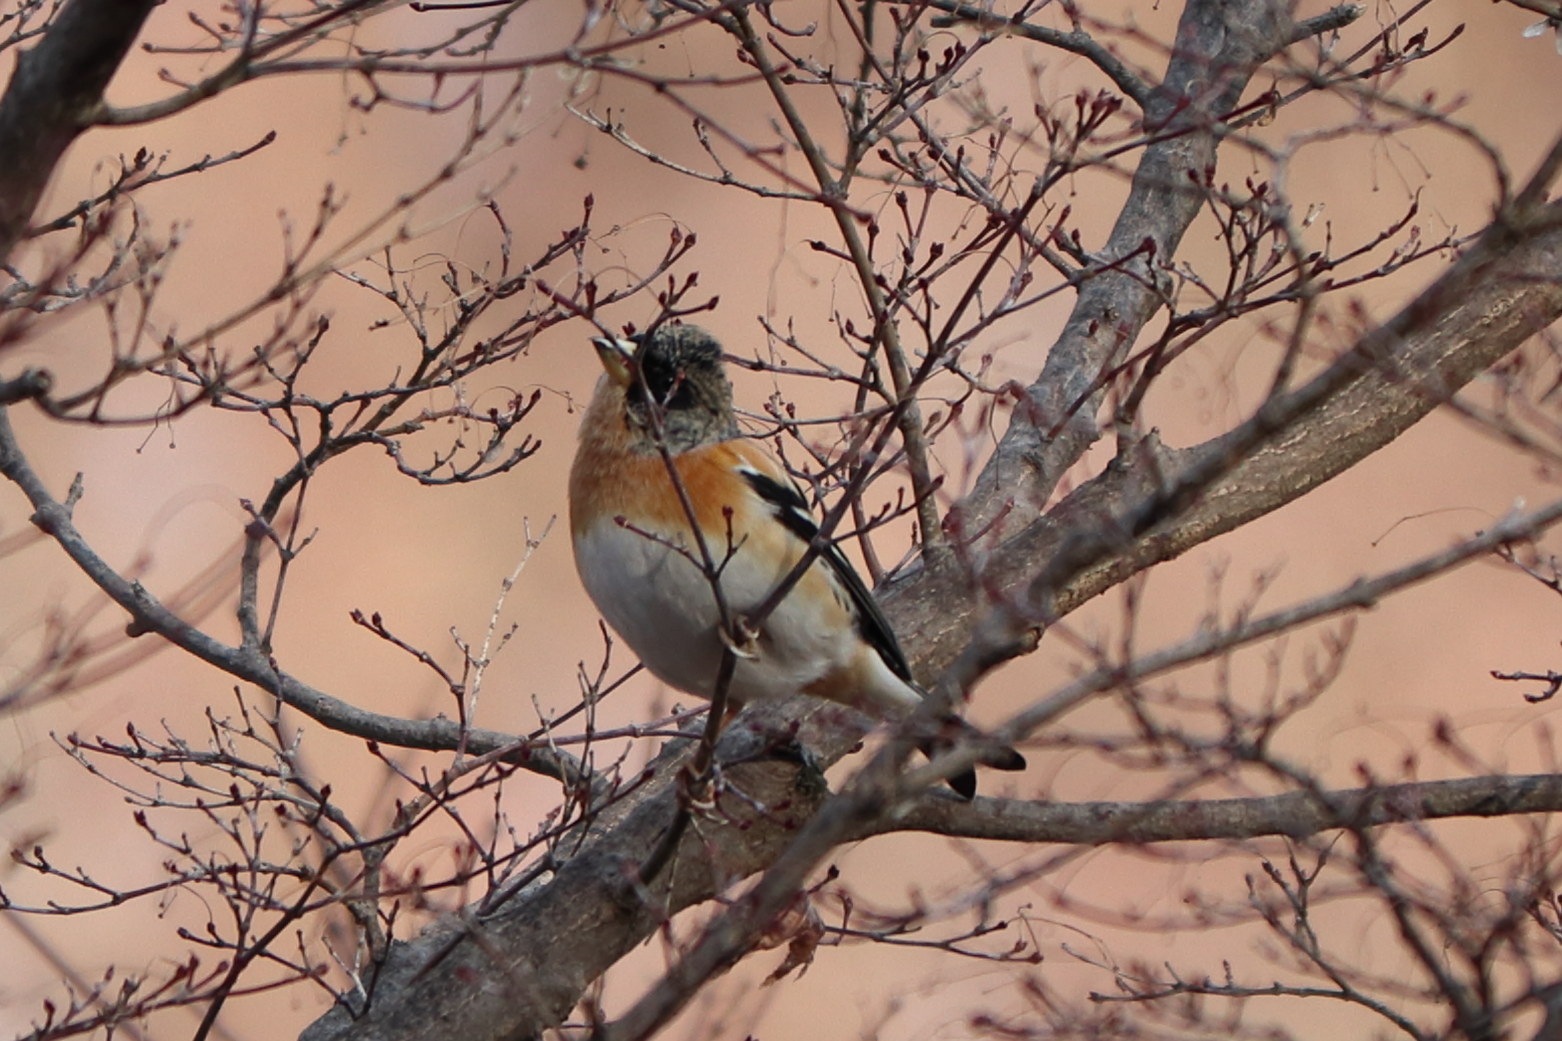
[{"x": 673, "y": 375}]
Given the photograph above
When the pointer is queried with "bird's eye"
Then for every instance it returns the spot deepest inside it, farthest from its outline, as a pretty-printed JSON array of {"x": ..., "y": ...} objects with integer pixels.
[{"x": 675, "y": 393}]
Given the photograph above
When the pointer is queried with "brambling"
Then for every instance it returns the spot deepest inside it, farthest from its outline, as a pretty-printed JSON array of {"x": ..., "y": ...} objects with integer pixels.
[{"x": 636, "y": 555}]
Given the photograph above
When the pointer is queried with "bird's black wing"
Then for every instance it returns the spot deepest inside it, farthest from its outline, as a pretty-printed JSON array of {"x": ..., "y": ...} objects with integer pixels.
[{"x": 792, "y": 511}]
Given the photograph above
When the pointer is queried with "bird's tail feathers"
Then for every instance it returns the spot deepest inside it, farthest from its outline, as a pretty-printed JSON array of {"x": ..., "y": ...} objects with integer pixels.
[{"x": 954, "y": 731}]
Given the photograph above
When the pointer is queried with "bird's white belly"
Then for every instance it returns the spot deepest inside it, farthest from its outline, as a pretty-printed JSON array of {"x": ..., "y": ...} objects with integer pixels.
[{"x": 660, "y": 603}]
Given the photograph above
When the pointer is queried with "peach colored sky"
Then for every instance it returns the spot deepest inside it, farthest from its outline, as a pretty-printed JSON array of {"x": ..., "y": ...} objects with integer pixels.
[{"x": 429, "y": 560}]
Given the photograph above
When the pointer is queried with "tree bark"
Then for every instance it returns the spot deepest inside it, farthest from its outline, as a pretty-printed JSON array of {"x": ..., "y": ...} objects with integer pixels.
[
  {"x": 1504, "y": 290},
  {"x": 54, "y": 92},
  {"x": 1292, "y": 814}
]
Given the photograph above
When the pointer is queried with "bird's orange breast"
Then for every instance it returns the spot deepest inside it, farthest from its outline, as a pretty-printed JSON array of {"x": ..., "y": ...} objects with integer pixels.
[{"x": 618, "y": 475}]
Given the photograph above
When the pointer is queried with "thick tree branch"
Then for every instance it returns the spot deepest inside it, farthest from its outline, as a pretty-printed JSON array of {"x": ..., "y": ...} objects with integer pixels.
[
  {"x": 1293, "y": 814},
  {"x": 1331, "y": 21},
  {"x": 1506, "y": 288},
  {"x": 54, "y": 94},
  {"x": 877, "y": 797},
  {"x": 520, "y": 970},
  {"x": 1219, "y": 44},
  {"x": 30, "y": 383}
]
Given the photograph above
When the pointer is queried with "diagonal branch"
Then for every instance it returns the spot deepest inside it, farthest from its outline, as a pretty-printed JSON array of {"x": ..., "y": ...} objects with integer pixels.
[
  {"x": 1217, "y": 49},
  {"x": 874, "y": 801},
  {"x": 1506, "y": 288},
  {"x": 53, "y": 95}
]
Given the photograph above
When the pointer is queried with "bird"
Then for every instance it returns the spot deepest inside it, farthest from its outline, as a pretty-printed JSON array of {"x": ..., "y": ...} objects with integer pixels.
[{"x": 642, "y": 565}]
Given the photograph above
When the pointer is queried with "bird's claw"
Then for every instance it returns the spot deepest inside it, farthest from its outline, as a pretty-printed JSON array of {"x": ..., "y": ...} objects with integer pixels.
[{"x": 741, "y": 641}]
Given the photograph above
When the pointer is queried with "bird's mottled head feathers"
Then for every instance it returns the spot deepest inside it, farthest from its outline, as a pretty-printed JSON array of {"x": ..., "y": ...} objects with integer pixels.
[{"x": 675, "y": 375}]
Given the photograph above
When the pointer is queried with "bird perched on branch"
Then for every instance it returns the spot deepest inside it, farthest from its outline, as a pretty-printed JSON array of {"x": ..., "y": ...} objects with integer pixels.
[{"x": 652, "y": 578}]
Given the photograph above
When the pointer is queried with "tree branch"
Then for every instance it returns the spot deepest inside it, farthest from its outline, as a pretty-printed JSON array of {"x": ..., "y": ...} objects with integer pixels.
[
  {"x": 54, "y": 94},
  {"x": 1076, "y": 41},
  {"x": 1507, "y": 287},
  {"x": 1293, "y": 814},
  {"x": 877, "y": 797},
  {"x": 520, "y": 970},
  {"x": 1479, "y": 311},
  {"x": 1218, "y": 47},
  {"x": 149, "y": 615}
]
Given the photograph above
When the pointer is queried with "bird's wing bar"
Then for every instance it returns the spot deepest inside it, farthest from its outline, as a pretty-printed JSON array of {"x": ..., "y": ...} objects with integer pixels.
[{"x": 791, "y": 509}]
